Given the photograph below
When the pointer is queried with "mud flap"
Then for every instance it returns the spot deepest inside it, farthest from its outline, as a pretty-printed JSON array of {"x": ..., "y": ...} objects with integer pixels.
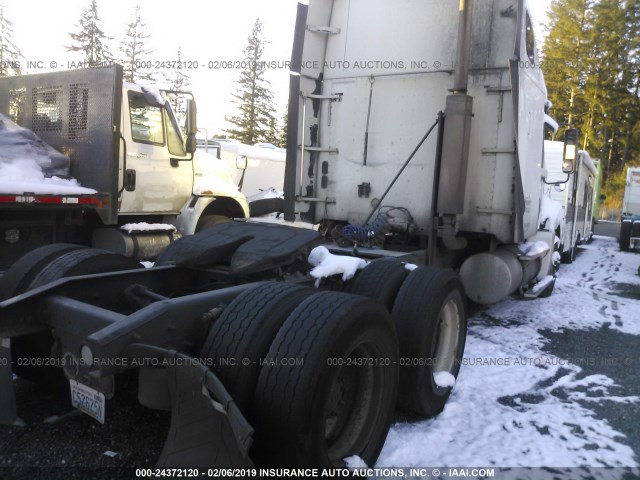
[
  {"x": 207, "y": 428},
  {"x": 8, "y": 414}
]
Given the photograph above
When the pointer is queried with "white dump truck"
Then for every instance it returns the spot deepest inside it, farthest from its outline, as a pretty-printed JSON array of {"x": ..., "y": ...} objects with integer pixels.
[
  {"x": 575, "y": 192},
  {"x": 123, "y": 145},
  {"x": 409, "y": 144},
  {"x": 630, "y": 227}
]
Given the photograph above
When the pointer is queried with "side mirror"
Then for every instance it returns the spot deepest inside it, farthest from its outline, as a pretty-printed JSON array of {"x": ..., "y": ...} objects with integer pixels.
[
  {"x": 192, "y": 123},
  {"x": 241, "y": 162},
  {"x": 190, "y": 145},
  {"x": 570, "y": 150}
]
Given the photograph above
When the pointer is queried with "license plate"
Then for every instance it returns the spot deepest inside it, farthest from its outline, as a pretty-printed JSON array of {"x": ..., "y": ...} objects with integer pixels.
[{"x": 87, "y": 400}]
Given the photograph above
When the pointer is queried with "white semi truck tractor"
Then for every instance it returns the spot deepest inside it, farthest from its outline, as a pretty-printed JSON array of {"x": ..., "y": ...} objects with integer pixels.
[{"x": 370, "y": 84}]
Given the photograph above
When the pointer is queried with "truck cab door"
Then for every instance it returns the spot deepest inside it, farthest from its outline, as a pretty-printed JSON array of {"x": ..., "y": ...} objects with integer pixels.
[{"x": 153, "y": 179}]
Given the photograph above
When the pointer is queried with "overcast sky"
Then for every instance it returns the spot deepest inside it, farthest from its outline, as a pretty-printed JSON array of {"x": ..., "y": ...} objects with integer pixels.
[{"x": 213, "y": 30}]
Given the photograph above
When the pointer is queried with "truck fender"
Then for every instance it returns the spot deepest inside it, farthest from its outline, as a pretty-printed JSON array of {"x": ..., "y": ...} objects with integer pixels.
[{"x": 203, "y": 205}]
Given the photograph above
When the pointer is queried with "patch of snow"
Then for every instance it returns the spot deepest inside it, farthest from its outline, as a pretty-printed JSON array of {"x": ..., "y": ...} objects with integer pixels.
[
  {"x": 410, "y": 266},
  {"x": 534, "y": 249},
  {"x": 268, "y": 193},
  {"x": 355, "y": 462},
  {"x": 155, "y": 93},
  {"x": 552, "y": 123},
  {"x": 23, "y": 175},
  {"x": 505, "y": 409},
  {"x": 111, "y": 454},
  {"x": 18, "y": 144},
  {"x": 147, "y": 227},
  {"x": 326, "y": 264},
  {"x": 147, "y": 264},
  {"x": 551, "y": 214},
  {"x": 444, "y": 379},
  {"x": 555, "y": 258},
  {"x": 29, "y": 165}
]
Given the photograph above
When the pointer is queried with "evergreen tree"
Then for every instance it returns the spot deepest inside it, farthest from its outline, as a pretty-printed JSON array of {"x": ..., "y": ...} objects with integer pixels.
[
  {"x": 133, "y": 50},
  {"x": 282, "y": 135},
  {"x": 592, "y": 70},
  {"x": 255, "y": 121},
  {"x": 566, "y": 56},
  {"x": 9, "y": 53},
  {"x": 91, "y": 39},
  {"x": 176, "y": 79}
]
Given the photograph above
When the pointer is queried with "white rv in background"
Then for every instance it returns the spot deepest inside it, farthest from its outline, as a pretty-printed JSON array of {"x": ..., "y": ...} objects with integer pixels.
[
  {"x": 630, "y": 226},
  {"x": 255, "y": 168},
  {"x": 575, "y": 192}
]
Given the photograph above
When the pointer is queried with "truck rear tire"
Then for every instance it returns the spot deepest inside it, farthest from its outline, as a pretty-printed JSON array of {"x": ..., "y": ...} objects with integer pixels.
[
  {"x": 328, "y": 388},
  {"x": 568, "y": 256},
  {"x": 61, "y": 263},
  {"x": 238, "y": 341},
  {"x": 625, "y": 236},
  {"x": 380, "y": 280},
  {"x": 429, "y": 314},
  {"x": 17, "y": 279}
]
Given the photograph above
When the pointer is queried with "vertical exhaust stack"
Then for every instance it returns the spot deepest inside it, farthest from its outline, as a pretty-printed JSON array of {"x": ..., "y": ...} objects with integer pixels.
[{"x": 457, "y": 129}]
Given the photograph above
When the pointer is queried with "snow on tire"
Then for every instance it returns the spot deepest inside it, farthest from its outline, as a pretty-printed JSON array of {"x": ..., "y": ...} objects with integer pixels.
[
  {"x": 328, "y": 388},
  {"x": 430, "y": 319}
]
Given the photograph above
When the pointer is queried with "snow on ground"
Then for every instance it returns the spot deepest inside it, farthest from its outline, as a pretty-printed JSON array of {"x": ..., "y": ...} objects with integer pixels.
[{"x": 504, "y": 410}]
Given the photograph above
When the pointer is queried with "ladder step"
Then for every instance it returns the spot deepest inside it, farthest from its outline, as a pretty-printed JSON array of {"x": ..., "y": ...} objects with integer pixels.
[
  {"x": 494, "y": 151},
  {"x": 314, "y": 96},
  {"x": 328, "y": 200},
  {"x": 323, "y": 29},
  {"x": 318, "y": 149}
]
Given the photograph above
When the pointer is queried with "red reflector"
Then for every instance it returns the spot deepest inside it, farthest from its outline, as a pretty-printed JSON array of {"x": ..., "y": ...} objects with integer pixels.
[
  {"x": 6, "y": 198},
  {"x": 49, "y": 199},
  {"x": 89, "y": 201}
]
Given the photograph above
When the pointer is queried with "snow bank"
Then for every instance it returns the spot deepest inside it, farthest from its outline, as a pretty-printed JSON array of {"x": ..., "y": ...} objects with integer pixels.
[
  {"x": 23, "y": 175},
  {"x": 327, "y": 264},
  {"x": 147, "y": 227},
  {"x": 551, "y": 215}
]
